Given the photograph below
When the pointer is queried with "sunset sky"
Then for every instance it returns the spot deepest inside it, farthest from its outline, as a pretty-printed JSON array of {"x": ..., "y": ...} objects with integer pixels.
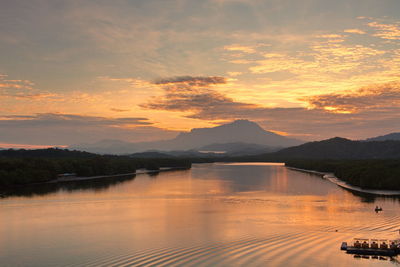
[{"x": 82, "y": 71}]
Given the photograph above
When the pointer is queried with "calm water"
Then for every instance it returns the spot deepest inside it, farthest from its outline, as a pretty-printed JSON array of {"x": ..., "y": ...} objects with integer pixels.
[{"x": 211, "y": 215}]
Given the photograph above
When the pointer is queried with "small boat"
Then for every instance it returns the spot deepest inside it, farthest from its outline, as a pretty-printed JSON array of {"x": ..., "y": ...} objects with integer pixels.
[
  {"x": 378, "y": 247},
  {"x": 378, "y": 209}
]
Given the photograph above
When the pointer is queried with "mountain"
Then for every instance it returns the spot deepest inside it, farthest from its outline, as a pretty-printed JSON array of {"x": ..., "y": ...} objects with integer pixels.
[
  {"x": 391, "y": 136},
  {"x": 341, "y": 148},
  {"x": 240, "y": 131}
]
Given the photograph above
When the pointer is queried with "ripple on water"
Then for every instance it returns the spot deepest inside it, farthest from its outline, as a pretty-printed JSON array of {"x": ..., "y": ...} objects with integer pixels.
[
  {"x": 294, "y": 249},
  {"x": 314, "y": 245}
]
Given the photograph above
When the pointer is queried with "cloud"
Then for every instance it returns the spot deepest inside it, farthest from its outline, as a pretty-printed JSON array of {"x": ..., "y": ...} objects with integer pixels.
[
  {"x": 330, "y": 36},
  {"x": 131, "y": 81},
  {"x": 197, "y": 102},
  {"x": 371, "y": 98},
  {"x": 66, "y": 129},
  {"x": 386, "y": 30},
  {"x": 356, "y": 31},
  {"x": 200, "y": 102},
  {"x": 325, "y": 58},
  {"x": 21, "y": 89},
  {"x": 240, "y": 48},
  {"x": 8, "y": 86},
  {"x": 119, "y": 110},
  {"x": 188, "y": 93},
  {"x": 234, "y": 73},
  {"x": 192, "y": 81},
  {"x": 46, "y": 119}
]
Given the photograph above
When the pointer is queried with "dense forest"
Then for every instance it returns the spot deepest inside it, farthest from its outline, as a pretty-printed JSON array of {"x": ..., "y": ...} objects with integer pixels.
[
  {"x": 368, "y": 174},
  {"x": 33, "y": 166}
]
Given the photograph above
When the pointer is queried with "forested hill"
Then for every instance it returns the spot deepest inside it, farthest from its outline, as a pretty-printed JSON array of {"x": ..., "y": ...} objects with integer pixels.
[
  {"x": 340, "y": 148},
  {"x": 45, "y": 153}
]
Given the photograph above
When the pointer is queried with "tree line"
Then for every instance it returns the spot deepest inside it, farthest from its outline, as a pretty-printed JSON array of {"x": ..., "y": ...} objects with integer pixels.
[
  {"x": 34, "y": 166},
  {"x": 381, "y": 174}
]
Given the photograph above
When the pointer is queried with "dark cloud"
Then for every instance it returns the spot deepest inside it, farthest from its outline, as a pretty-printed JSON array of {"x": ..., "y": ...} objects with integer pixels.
[
  {"x": 203, "y": 103},
  {"x": 66, "y": 129},
  {"x": 119, "y": 110},
  {"x": 188, "y": 93}
]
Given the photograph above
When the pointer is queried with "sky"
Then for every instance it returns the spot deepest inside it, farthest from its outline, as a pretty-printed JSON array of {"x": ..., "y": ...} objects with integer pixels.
[{"x": 82, "y": 71}]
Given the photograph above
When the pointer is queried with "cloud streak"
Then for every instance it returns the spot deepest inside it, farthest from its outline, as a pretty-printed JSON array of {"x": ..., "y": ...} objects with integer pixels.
[
  {"x": 66, "y": 129},
  {"x": 21, "y": 89},
  {"x": 199, "y": 81},
  {"x": 54, "y": 119}
]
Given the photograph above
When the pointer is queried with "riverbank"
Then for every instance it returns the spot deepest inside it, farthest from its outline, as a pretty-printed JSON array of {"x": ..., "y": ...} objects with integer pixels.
[
  {"x": 332, "y": 178},
  {"x": 83, "y": 178}
]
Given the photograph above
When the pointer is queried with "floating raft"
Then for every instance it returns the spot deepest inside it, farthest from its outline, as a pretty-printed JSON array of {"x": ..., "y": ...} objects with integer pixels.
[{"x": 375, "y": 247}]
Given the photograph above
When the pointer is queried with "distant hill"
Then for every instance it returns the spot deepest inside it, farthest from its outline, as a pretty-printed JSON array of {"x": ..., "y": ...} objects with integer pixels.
[
  {"x": 240, "y": 131},
  {"x": 177, "y": 154},
  {"x": 341, "y": 148},
  {"x": 107, "y": 146},
  {"x": 391, "y": 136},
  {"x": 239, "y": 148},
  {"x": 150, "y": 154}
]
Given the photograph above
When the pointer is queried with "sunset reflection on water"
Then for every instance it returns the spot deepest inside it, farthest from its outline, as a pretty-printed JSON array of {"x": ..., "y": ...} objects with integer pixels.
[{"x": 213, "y": 214}]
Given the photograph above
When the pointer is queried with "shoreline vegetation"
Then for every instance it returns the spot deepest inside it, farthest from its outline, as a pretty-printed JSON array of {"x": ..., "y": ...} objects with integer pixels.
[
  {"x": 332, "y": 178},
  {"x": 373, "y": 176},
  {"x": 27, "y": 167}
]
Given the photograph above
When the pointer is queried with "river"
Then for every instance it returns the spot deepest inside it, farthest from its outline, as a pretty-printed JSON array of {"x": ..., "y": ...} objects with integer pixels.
[{"x": 244, "y": 214}]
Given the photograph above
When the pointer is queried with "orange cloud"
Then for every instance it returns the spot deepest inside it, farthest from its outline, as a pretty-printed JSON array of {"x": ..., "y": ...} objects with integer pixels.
[
  {"x": 373, "y": 97},
  {"x": 386, "y": 31},
  {"x": 240, "y": 48},
  {"x": 356, "y": 31}
]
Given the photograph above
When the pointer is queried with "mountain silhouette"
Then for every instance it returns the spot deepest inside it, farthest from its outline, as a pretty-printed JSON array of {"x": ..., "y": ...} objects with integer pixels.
[
  {"x": 391, "y": 136},
  {"x": 341, "y": 148},
  {"x": 239, "y": 131}
]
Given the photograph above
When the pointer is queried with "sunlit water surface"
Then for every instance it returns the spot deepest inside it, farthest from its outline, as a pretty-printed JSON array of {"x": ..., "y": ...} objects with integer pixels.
[{"x": 211, "y": 215}]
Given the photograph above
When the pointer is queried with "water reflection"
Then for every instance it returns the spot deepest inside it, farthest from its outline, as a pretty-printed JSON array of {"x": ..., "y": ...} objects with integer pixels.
[
  {"x": 371, "y": 198},
  {"x": 50, "y": 188},
  {"x": 211, "y": 215}
]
